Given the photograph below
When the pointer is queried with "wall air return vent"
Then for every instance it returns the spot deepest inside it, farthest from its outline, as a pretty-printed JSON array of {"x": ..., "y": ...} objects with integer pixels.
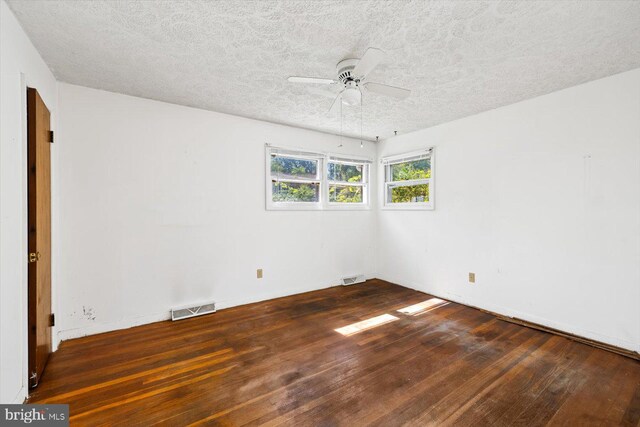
[
  {"x": 192, "y": 311},
  {"x": 352, "y": 280}
]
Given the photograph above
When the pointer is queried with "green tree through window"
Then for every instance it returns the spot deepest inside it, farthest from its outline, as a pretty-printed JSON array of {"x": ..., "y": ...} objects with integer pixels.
[
  {"x": 314, "y": 180},
  {"x": 409, "y": 171},
  {"x": 340, "y": 174},
  {"x": 295, "y": 192},
  {"x": 284, "y": 169}
]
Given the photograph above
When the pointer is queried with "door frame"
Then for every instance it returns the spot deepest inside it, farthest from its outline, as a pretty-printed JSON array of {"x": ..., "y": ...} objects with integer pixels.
[{"x": 24, "y": 256}]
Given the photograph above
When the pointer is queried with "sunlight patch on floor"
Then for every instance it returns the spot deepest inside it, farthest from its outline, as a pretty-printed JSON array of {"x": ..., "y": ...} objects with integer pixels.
[
  {"x": 423, "y": 307},
  {"x": 354, "y": 328}
]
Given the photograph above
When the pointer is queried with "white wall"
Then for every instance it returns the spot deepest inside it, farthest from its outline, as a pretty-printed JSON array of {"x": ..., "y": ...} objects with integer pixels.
[
  {"x": 163, "y": 205},
  {"x": 20, "y": 66},
  {"x": 541, "y": 199}
]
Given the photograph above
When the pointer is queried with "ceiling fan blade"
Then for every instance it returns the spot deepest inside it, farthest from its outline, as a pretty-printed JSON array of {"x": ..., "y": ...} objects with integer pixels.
[
  {"x": 396, "y": 92},
  {"x": 368, "y": 62},
  {"x": 336, "y": 103},
  {"x": 314, "y": 80}
]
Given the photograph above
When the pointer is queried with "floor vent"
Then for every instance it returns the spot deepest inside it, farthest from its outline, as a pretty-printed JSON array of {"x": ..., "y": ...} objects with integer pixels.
[
  {"x": 196, "y": 310},
  {"x": 352, "y": 280}
]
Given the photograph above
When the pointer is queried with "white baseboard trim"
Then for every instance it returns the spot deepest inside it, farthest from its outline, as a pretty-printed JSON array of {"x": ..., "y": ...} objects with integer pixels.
[
  {"x": 265, "y": 296},
  {"x": 98, "y": 328}
]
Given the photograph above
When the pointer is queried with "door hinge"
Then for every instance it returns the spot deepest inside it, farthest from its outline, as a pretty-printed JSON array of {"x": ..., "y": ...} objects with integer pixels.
[
  {"x": 52, "y": 319},
  {"x": 51, "y": 136},
  {"x": 34, "y": 256}
]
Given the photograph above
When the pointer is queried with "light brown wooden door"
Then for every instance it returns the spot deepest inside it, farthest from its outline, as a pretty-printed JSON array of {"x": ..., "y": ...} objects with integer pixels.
[{"x": 39, "y": 222}]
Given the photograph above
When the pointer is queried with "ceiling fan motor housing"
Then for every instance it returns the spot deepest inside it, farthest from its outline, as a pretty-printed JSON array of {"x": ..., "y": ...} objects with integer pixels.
[{"x": 344, "y": 68}]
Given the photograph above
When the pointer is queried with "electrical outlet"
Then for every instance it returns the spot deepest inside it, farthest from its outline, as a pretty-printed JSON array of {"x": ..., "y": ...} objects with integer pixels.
[
  {"x": 472, "y": 277},
  {"x": 259, "y": 273}
]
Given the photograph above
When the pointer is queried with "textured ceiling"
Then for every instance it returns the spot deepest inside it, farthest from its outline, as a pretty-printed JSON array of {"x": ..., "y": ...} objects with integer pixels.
[{"x": 459, "y": 58}]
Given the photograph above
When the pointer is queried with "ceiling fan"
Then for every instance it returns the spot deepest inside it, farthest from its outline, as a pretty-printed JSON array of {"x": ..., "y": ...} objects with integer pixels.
[{"x": 352, "y": 79}]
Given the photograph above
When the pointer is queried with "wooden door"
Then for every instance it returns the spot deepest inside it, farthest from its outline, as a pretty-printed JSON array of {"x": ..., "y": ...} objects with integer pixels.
[{"x": 39, "y": 222}]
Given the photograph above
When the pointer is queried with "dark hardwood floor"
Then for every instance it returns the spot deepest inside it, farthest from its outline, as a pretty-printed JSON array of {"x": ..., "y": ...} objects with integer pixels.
[{"x": 281, "y": 362}]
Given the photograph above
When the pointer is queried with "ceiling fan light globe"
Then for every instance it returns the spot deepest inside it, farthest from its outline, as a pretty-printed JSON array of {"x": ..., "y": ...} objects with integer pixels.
[{"x": 351, "y": 96}]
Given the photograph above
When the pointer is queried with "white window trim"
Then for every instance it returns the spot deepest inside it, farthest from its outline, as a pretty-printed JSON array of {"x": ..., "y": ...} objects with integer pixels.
[
  {"x": 323, "y": 164},
  {"x": 401, "y": 158}
]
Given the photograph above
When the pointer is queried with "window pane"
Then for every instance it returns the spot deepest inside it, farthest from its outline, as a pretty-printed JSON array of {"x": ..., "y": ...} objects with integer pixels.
[
  {"x": 417, "y": 169},
  {"x": 295, "y": 192},
  {"x": 289, "y": 167},
  {"x": 345, "y": 173},
  {"x": 409, "y": 194},
  {"x": 345, "y": 194}
]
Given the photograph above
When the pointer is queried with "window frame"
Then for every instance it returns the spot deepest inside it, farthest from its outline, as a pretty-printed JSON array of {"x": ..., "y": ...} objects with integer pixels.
[
  {"x": 388, "y": 161},
  {"x": 366, "y": 178},
  {"x": 323, "y": 160},
  {"x": 293, "y": 154}
]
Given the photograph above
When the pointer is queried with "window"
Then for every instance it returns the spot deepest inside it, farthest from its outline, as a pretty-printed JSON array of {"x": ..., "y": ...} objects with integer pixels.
[
  {"x": 298, "y": 180},
  {"x": 295, "y": 179},
  {"x": 409, "y": 181},
  {"x": 347, "y": 182}
]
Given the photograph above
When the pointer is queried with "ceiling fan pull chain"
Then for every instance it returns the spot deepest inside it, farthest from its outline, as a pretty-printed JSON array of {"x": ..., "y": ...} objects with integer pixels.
[{"x": 341, "y": 126}]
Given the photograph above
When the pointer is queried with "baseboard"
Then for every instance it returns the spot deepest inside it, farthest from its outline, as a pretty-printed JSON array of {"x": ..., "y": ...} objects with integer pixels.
[
  {"x": 602, "y": 345},
  {"x": 534, "y": 325},
  {"x": 266, "y": 296},
  {"x": 100, "y": 328},
  {"x": 143, "y": 320}
]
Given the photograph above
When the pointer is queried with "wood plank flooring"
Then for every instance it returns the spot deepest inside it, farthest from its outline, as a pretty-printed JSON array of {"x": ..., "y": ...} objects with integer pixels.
[{"x": 281, "y": 362}]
